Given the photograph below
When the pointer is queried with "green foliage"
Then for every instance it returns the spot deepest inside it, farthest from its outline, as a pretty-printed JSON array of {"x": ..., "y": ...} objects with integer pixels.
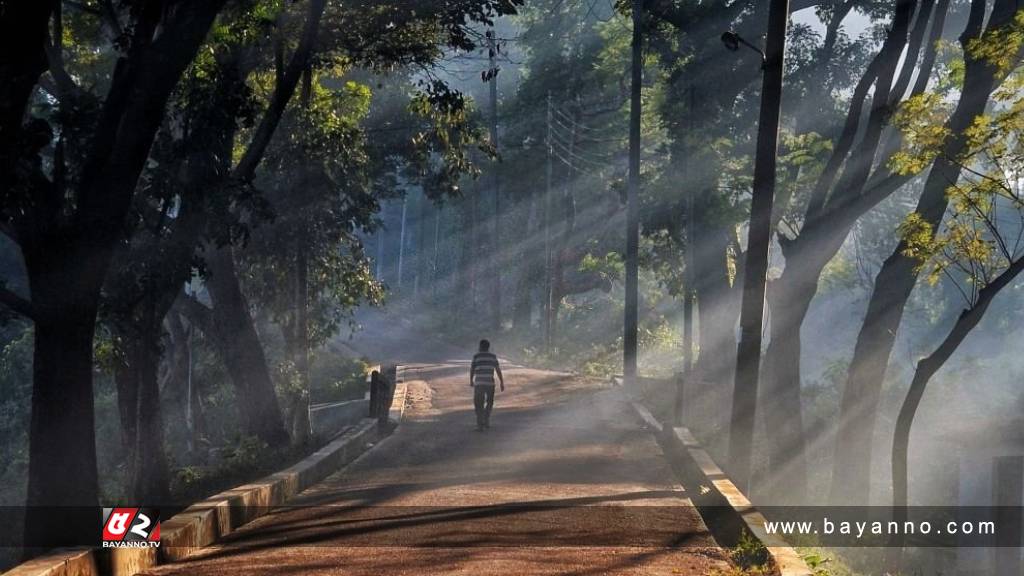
[
  {"x": 316, "y": 172},
  {"x": 1001, "y": 47},
  {"x": 289, "y": 385},
  {"x": 15, "y": 395},
  {"x": 749, "y": 552},
  {"x": 977, "y": 239},
  {"x": 335, "y": 378},
  {"x": 825, "y": 562},
  {"x": 246, "y": 454},
  {"x": 186, "y": 477},
  {"x": 611, "y": 266},
  {"x": 922, "y": 120},
  {"x": 441, "y": 153}
]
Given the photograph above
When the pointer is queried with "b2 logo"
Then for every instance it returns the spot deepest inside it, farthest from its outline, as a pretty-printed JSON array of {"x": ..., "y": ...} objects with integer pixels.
[{"x": 131, "y": 528}]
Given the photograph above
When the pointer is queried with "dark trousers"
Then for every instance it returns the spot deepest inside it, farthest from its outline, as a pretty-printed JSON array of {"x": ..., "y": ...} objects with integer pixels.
[{"x": 483, "y": 401}]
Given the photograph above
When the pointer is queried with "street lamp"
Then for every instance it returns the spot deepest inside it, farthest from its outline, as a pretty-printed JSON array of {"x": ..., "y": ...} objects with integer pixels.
[
  {"x": 733, "y": 40},
  {"x": 748, "y": 350}
]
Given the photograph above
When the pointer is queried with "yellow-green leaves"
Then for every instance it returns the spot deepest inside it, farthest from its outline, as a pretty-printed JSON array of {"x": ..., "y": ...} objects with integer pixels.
[
  {"x": 1000, "y": 46},
  {"x": 922, "y": 119},
  {"x": 919, "y": 243}
]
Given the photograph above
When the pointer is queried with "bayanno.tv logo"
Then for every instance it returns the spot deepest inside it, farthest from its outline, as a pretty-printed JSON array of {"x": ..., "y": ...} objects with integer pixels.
[{"x": 131, "y": 528}]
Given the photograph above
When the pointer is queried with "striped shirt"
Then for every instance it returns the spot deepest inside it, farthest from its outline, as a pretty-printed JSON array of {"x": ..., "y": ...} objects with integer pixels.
[{"x": 481, "y": 372}]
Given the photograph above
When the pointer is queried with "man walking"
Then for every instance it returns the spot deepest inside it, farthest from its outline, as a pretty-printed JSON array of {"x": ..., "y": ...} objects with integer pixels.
[{"x": 481, "y": 378}]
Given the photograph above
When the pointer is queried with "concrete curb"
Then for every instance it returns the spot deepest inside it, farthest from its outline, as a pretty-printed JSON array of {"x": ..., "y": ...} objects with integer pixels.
[
  {"x": 206, "y": 522},
  {"x": 716, "y": 496},
  {"x": 60, "y": 562},
  {"x": 397, "y": 410}
]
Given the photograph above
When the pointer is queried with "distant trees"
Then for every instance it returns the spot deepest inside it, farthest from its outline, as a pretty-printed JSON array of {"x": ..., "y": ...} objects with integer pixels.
[{"x": 576, "y": 210}]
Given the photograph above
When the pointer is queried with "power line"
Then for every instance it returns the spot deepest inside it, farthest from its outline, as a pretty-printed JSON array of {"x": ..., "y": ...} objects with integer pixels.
[
  {"x": 575, "y": 156},
  {"x": 590, "y": 139},
  {"x": 574, "y": 143},
  {"x": 580, "y": 124}
]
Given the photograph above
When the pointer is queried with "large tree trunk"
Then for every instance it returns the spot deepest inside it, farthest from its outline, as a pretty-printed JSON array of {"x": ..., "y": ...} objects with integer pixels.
[
  {"x": 62, "y": 442},
  {"x": 126, "y": 380},
  {"x": 238, "y": 345},
  {"x": 788, "y": 301},
  {"x": 894, "y": 284},
  {"x": 67, "y": 263},
  {"x": 138, "y": 397},
  {"x": 839, "y": 197},
  {"x": 150, "y": 481},
  {"x": 717, "y": 312}
]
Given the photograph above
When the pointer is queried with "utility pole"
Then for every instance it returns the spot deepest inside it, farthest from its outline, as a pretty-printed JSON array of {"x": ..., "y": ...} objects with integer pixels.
[
  {"x": 496, "y": 255},
  {"x": 547, "y": 237},
  {"x": 567, "y": 224},
  {"x": 401, "y": 239},
  {"x": 433, "y": 259},
  {"x": 379, "y": 264},
  {"x": 422, "y": 261},
  {"x": 629, "y": 340},
  {"x": 748, "y": 357}
]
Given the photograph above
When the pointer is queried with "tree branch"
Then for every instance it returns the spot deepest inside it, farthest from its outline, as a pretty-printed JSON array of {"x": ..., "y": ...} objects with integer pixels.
[
  {"x": 246, "y": 168},
  {"x": 16, "y": 303}
]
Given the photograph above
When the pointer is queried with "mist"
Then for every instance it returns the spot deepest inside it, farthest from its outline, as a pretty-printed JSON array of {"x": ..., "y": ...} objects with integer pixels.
[{"x": 192, "y": 263}]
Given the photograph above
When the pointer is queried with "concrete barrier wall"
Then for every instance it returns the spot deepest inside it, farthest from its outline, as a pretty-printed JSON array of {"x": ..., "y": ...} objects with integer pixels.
[
  {"x": 725, "y": 509},
  {"x": 60, "y": 562},
  {"x": 205, "y": 522},
  {"x": 329, "y": 419}
]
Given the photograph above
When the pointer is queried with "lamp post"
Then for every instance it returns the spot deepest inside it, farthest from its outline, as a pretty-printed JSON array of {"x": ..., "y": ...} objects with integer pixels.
[
  {"x": 748, "y": 356},
  {"x": 733, "y": 41}
]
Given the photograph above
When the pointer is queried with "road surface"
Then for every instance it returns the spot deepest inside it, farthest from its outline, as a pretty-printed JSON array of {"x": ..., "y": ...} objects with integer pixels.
[{"x": 565, "y": 482}]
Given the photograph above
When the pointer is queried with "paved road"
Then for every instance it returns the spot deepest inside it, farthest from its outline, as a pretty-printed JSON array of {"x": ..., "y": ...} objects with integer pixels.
[{"x": 565, "y": 482}]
